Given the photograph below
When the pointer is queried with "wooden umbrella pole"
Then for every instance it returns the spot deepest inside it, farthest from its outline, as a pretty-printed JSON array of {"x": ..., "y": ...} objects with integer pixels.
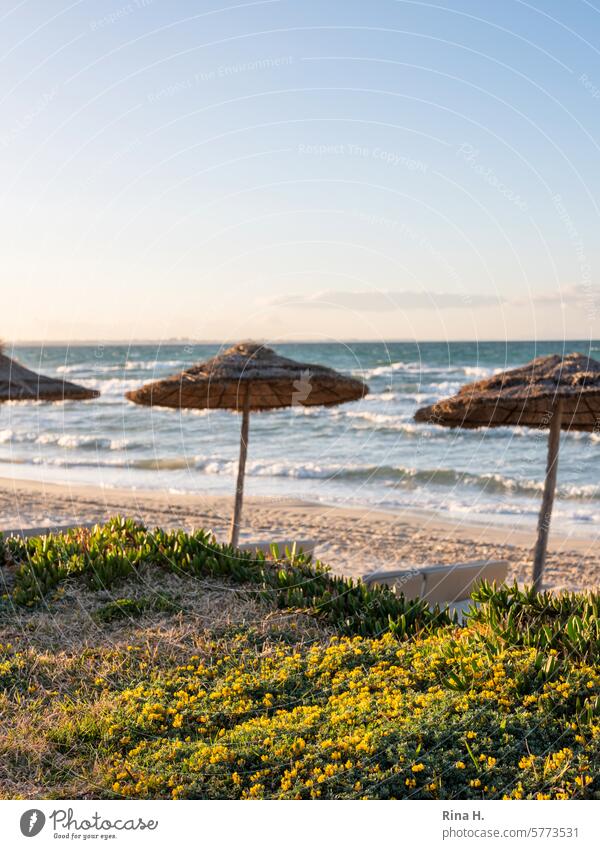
[
  {"x": 239, "y": 490},
  {"x": 548, "y": 497}
]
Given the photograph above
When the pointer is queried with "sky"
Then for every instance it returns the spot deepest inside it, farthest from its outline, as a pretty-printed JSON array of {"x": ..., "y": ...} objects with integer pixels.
[{"x": 299, "y": 170}]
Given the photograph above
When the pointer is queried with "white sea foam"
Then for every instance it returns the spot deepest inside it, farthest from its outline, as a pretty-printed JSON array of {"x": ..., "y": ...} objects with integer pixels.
[
  {"x": 477, "y": 371},
  {"x": 389, "y": 369},
  {"x": 398, "y": 477},
  {"x": 423, "y": 368},
  {"x": 70, "y": 440}
]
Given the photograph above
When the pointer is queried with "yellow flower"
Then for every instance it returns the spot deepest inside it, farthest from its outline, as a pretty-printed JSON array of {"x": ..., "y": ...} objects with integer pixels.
[
  {"x": 418, "y": 767},
  {"x": 459, "y": 765},
  {"x": 298, "y": 746}
]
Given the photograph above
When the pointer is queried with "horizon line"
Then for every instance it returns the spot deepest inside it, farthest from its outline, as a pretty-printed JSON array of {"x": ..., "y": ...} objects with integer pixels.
[{"x": 188, "y": 341}]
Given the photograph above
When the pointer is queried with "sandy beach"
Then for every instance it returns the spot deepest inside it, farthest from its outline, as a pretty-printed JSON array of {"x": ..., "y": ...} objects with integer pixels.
[{"x": 351, "y": 541}]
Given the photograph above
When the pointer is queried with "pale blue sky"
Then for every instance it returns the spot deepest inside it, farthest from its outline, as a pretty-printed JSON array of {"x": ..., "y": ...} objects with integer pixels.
[{"x": 299, "y": 169}]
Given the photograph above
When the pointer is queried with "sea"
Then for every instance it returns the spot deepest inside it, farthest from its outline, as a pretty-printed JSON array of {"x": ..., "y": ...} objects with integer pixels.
[{"x": 367, "y": 453}]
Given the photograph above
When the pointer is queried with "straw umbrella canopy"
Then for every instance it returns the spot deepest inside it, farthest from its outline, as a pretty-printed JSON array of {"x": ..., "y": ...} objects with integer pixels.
[
  {"x": 550, "y": 392},
  {"x": 249, "y": 378},
  {"x": 18, "y": 383}
]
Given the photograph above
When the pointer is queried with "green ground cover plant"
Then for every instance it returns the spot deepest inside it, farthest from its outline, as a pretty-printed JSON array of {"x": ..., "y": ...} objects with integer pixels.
[
  {"x": 110, "y": 553},
  {"x": 139, "y": 664}
]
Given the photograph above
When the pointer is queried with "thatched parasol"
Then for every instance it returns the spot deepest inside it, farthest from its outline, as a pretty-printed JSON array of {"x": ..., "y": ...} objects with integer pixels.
[
  {"x": 18, "y": 383},
  {"x": 550, "y": 392},
  {"x": 249, "y": 378}
]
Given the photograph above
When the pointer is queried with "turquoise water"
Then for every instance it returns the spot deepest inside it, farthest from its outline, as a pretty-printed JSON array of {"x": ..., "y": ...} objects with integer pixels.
[{"x": 366, "y": 453}]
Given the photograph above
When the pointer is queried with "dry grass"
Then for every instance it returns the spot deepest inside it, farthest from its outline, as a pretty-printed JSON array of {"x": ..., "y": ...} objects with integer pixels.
[{"x": 66, "y": 666}]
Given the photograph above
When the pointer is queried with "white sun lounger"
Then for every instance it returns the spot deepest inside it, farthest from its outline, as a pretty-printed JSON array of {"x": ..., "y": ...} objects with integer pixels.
[{"x": 441, "y": 584}]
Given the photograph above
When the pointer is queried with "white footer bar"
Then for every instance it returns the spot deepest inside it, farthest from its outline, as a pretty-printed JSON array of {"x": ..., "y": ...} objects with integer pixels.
[{"x": 305, "y": 825}]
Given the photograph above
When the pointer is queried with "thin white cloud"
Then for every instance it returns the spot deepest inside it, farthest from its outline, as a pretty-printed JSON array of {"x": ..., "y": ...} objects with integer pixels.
[
  {"x": 407, "y": 299},
  {"x": 573, "y": 295},
  {"x": 378, "y": 301}
]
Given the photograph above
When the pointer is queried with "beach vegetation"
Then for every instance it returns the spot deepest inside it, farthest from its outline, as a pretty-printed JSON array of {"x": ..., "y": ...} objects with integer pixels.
[
  {"x": 106, "y": 555},
  {"x": 137, "y": 664}
]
